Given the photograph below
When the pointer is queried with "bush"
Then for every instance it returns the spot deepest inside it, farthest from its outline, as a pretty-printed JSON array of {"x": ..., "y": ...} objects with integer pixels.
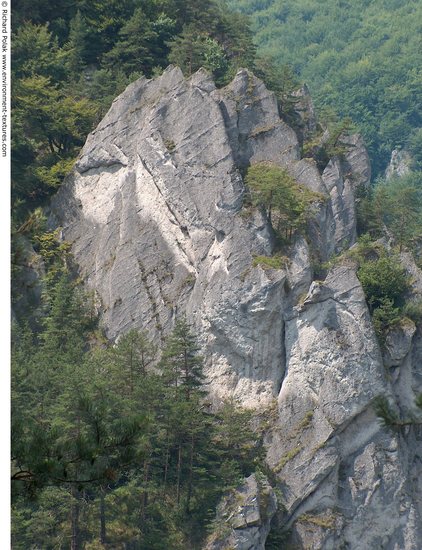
[
  {"x": 288, "y": 205},
  {"x": 384, "y": 317},
  {"x": 413, "y": 310},
  {"x": 383, "y": 279}
]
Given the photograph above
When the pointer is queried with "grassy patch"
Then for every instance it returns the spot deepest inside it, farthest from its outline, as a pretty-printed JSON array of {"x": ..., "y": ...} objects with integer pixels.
[
  {"x": 325, "y": 522},
  {"x": 170, "y": 145},
  {"x": 270, "y": 262},
  {"x": 286, "y": 458},
  {"x": 303, "y": 424},
  {"x": 262, "y": 130}
]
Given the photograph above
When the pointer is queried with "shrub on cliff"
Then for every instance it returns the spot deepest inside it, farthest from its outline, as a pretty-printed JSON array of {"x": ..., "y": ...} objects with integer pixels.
[
  {"x": 288, "y": 205},
  {"x": 383, "y": 278}
]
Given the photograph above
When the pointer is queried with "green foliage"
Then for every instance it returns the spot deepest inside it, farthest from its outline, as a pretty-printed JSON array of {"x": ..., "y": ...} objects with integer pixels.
[
  {"x": 287, "y": 204},
  {"x": 35, "y": 51},
  {"x": 76, "y": 49},
  {"x": 383, "y": 279},
  {"x": 195, "y": 48},
  {"x": 384, "y": 411},
  {"x": 102, "y": 442},
  {"x": 391, "y": 419},
  {"x": 328, "y": 139},
  {"x": 361, "y": 59},
  {"x": 396, "y": 204},
  {"x": 414, "y": 146},
  {"x": 142, "y": 43},
  {"x": 385, "y": 283},
  {"x": 385, "y": 316},
  {"x": 272, "y": 262},
  {"x": 413, "y": 310},
  {"x": 50, "y": 126},
  {"x": 181, "y": 365}
]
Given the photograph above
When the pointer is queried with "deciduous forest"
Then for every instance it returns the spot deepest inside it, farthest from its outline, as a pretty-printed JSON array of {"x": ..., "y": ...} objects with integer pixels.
[{"x": 360, "y": 60}]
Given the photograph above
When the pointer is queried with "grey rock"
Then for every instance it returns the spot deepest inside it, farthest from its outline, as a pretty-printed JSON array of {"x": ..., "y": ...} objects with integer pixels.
[
  {"x": 254, "y": 127},
  {"x": 342, "y": 178},
  {"x": 338, "y": 469},
  {"x": 357, "y": 166},
  {"x": 305, "y": 112},
  {"x": 398, "y": 342},
  {"x": 153, "y": 210},
  {"x": 399, "y": 164},
  {"x": 244, "y": 517}
]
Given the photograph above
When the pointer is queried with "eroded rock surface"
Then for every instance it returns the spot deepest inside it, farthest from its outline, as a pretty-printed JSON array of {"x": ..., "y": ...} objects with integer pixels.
[
  {"x": 338, "y": 469},
  {"x": 400, "y": 163},
  {"x": 153, "y": 210},
  {"x": 244, "y": 517}
]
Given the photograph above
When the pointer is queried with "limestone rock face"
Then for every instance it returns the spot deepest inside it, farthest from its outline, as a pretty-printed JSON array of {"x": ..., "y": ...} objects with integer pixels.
[
  {"x": 245, "y": 516},
  {"x": 336, "y": 466},
  {"x": 342, "y": 178},
  {"x": 304, "y": 110},
  {"x": 153, "y": 210},
  {"x": 399, "y": 164},
  {"x": 398, "y": 343},
  {"x": 27, "y": 281}
]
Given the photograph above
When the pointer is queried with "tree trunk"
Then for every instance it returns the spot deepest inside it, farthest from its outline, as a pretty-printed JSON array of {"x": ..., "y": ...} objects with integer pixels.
[
  {"x": 166, "y": 464},
  {"x": 103, "y": 533},
  {"x": 144, "y": 498},
  {"x": 189, "y": 495},
  {"x": 179, "y": 468},
  {"x": 74, "y": 520}
]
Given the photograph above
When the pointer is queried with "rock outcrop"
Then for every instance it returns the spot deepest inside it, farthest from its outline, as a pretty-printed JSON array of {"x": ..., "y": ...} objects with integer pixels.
[
  {"x": 243, "y": 518},
  {"x": 153, "y": 210},
  {"x": 399, "y": 164},
  {"x": 27, "y": 275}
]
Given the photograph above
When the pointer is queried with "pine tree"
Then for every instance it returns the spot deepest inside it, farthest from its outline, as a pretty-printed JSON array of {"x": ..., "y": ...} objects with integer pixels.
[
  {"x": 133, "y": 354},
  {"x": 77, "y": 46},
  {"x": 134, "y": 51},
  {"x": 188, "y": 49},
  {"x": 181, "y": 365}
]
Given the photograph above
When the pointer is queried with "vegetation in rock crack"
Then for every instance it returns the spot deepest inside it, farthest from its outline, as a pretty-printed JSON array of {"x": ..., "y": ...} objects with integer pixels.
[
  {"x": 287, "y": 204},
  {"x": 390, "y": 417},
  {"x": 385, "y": 282}
]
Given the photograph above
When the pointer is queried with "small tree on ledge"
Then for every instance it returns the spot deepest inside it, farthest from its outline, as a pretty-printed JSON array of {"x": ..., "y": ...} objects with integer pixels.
[{"x": 288, "y": 205}]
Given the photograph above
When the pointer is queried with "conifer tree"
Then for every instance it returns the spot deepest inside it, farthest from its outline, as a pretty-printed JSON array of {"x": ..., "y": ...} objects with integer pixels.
[
  {"x": 77, "y": 46},
  {"x": 181, "y": 365}
]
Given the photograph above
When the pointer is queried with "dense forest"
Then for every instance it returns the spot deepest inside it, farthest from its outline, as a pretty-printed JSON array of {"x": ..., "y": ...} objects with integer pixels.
[
  {"x": 360, "y": 59},
  {"x": 116, "y": 442},
  {"x": 106, "y": 450}
]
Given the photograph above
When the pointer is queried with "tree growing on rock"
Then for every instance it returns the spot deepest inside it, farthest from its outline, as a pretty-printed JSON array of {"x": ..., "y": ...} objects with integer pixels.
[{"x": 287, "y": 204}]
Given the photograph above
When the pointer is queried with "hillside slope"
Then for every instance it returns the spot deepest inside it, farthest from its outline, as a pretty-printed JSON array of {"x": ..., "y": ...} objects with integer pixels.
[{"x": 361, "y": 59}]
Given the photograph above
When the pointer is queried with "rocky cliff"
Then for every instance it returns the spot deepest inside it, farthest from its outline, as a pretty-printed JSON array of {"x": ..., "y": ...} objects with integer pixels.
[{"x": 153, "y": 209}]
